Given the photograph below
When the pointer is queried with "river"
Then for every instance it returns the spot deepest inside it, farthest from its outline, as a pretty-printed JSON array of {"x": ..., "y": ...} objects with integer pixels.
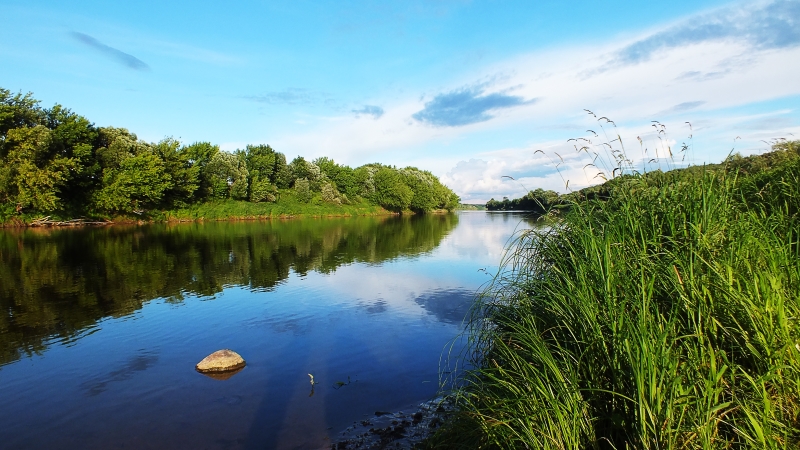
[{"x": 100, "y": 328}]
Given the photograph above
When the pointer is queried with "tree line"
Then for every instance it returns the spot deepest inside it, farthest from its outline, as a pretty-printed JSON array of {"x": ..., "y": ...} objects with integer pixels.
[
  {"x": 540, "y": 202},
  {"x": 53, "y": 160}
]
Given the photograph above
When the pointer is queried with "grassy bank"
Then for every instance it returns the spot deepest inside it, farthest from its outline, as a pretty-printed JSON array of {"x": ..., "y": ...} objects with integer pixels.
[
  {"x": 286, "y": 207},
  {"x": 663, "y": 316}
]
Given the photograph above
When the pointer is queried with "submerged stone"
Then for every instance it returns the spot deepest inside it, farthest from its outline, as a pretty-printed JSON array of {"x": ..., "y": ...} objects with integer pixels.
[{"x": 221, "y": 361}]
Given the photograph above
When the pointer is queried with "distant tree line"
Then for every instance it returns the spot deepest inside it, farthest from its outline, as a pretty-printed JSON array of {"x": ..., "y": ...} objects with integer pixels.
[
  {"x": 541, "y": 202},
  {"x": 537, "y": 201},
  {"x": 53, "y": 160}
]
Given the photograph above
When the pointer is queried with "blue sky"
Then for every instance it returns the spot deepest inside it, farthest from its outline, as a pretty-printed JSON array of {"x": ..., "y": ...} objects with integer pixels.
[{"x": 469, "y": 90}]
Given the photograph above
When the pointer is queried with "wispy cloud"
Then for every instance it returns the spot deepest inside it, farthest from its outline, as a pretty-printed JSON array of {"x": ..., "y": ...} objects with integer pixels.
[
  {"x": 703, "y": 80},
  {"x": 125, "y": 59},
  {"x": 292, "y": 96},
  {"x": 370, "y": 110},
  {"x": 682, "y": 107},
  {"x": 466, "y": 106},
  {"x": 763, "y": 25}
]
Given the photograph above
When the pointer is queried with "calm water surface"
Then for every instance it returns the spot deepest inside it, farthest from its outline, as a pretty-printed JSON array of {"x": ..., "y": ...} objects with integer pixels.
[{"x": 100, "y": 329}]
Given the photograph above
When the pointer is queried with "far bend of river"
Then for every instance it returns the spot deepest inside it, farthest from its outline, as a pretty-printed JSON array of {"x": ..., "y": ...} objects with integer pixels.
[{"x": 100, "y": 328}]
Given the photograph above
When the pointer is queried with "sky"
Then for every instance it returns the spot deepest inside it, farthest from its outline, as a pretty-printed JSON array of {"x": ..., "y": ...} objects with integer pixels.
[{"x": 494, "y": 97}]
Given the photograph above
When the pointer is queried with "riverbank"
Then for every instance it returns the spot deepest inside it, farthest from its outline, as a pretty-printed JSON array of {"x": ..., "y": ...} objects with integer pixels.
[
  {"x": 663, "y": 315},
  {"x": 224, "y": 210}
]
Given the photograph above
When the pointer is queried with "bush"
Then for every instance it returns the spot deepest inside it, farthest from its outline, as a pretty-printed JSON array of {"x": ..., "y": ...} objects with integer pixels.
[{"x": 302, "y": 188}]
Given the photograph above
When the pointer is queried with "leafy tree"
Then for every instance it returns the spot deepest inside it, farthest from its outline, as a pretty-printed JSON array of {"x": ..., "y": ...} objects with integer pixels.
[
  {"x": 116, "y": 145},
  {"x": 184, "y": 176},
  {"x": 138, "y": 184},
  {"x": 282, "y": 174},
  {"x": 74, "y": 137},
  {"x": 18, "y": 111},
  {"x": 261, "y": 164},
  {"x": 301, "y": 168},
  {"x": 302, "y": 188},
  {"x": 56, "y": 160},
  {"x": 391, "y": 191},
  {"x": 134, "y": 175},
  {"x": 261, "y": 190},
  {"x": 260, "y": 161},
  {"x": 364, "y": 180},
  {"x": 330, "y": 194},
  {"x": 31, "y": 177},
  {"x": 425, "y": 196},
  {"x": 227, "y": 175},
  {"x": 199, "y": 155},
  {"x": 342, "y": 176}
]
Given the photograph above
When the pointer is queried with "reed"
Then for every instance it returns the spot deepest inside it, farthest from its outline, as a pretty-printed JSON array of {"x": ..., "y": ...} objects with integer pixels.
[{"x": 663, "y": 317}]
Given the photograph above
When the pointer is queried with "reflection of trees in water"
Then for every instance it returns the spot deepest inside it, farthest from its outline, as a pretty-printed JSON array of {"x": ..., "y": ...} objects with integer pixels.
[{"x": 59, "y": 282}]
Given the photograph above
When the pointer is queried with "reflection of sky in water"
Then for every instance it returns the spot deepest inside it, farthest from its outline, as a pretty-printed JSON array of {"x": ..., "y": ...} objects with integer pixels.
[{"x": 131, "y": 380}]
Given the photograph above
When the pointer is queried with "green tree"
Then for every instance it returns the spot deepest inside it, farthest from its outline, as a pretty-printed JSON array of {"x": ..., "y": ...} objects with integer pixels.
[
  {"x": 199, "y": 155},
  {"x": 261, "y": 190},
  {"x": 75, "y": 138},
  {"x": 260, "y": 161},
  {"x": 261, "y": 164},
  {"x": 342, "y": 176},
  {"x": 301, "y": 168},
  {"x": 282, "y": 176},
  {"x": 228, "y": 176},
  {"x": 138, "y": 184},
  {"x": 302, "y": 188},
  {"x": 32, "y": 177},
  {"x": 391, "y": 191},
  {"x": 184, "y": 176},
  {"x": 18, "y": 111},
  {"x": 134, "y": 175}
]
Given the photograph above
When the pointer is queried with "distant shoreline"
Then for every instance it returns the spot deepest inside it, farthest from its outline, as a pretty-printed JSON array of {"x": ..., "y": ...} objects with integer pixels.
[{"x": 214, "y": 213}]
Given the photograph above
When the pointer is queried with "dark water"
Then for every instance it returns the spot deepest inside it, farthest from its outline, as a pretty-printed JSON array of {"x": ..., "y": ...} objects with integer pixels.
[{"x": 100, "y": 329}]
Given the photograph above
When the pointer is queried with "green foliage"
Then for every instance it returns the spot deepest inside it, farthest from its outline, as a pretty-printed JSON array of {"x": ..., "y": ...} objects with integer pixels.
[
  {"x": 302, "y": 189},
  {"x": 538, "y": 201},
  {"x": 31, "y": 176},
  {"x": 227, "y": 175},
  {"x": 199, "y": 155},
  {"x": 391, "y": 191},
  {"x": 57, "y": 162},
  {"x": 138, "y": 184},
  {"x": 260, "y": 162},
  {"x": 331, "y": 195},
  {"x": 18, "y": 111},
  {"x": 184, "y": 175},
  {"x": 262, "y": 190},
  {"x": 342, "y": 176},
  {"x": 302, "y": 169},
  {"x": 262, "y": 166},
  {"x": 660, "y": 315},
  {"x": 283, "y": 174}
]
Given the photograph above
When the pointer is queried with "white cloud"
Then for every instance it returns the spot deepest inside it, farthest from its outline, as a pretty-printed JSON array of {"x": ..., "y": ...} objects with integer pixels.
[{"x": 691, "y": 70}]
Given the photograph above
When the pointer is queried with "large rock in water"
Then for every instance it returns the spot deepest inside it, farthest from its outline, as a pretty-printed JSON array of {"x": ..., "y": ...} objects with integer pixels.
[{"x": 220, "y": 361}]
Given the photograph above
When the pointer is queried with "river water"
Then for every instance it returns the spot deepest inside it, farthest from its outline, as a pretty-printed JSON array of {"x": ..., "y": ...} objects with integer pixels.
[{"x": 100, "y": 328}]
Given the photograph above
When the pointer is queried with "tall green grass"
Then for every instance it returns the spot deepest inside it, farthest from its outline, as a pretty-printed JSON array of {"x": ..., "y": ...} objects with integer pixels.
[{"x": 665, "y": 317}]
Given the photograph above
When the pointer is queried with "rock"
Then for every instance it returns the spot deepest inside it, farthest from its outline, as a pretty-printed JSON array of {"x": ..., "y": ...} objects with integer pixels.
[
  {"x": 222, "y": 376},
  {"x": 220, "y": 361}
]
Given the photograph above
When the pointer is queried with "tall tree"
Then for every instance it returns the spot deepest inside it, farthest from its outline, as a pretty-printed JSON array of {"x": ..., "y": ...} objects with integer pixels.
[
  {"x": 32, "y": 177},
  {"x": 227, "y": 174}
]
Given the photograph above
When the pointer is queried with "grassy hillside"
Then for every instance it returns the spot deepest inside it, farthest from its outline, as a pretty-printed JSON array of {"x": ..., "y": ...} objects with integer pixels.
[{"x": 662, "y": 313}]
